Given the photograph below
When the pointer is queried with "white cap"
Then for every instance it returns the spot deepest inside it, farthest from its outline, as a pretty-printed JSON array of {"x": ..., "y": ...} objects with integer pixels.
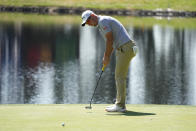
[{"x": 85, "y": 15}]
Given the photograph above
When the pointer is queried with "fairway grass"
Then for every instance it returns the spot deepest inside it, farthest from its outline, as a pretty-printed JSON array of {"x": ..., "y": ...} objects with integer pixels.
[{"x": 77, "y": 118}]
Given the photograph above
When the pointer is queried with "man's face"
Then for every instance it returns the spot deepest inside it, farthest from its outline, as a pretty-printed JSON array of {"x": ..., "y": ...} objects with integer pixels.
[{"x": 91, "y": 21}]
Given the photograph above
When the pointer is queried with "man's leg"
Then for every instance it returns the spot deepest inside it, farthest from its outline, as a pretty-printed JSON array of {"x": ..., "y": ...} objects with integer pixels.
[{"x": 123, "y": 58}]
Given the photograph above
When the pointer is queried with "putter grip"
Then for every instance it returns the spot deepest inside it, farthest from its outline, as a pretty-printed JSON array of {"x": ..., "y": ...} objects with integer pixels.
[{"x": 103, "y": 68}]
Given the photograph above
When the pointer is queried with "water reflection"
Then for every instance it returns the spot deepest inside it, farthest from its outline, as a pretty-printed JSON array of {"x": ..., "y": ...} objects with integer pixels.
[{"x": 60, "y": 64}]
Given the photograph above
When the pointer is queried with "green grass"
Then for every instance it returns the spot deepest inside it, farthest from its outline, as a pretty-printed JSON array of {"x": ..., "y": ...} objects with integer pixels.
[
  {"x": 77, "y": 118},
  {"x": 39, "y": 18},
  {"x": 144, "y": 22},
  {"x": 188, "y": 5}
]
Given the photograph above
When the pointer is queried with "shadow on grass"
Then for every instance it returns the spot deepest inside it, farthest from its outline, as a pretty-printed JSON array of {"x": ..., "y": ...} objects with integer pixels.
[{"x": 130, "y": 113}]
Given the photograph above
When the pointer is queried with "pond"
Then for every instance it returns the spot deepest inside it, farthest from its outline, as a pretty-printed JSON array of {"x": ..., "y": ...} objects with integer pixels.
[{"x": 51, "y": 63}]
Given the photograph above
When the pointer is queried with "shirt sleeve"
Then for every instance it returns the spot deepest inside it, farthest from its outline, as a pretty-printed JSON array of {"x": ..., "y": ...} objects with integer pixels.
[{"x": 105, "y": 27}]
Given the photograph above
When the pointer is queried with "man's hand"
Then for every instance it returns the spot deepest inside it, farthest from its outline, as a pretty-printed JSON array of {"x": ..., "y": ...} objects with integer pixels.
[
  {"x": 106, "y": 60},
  {"x": 109, "y": 48}
]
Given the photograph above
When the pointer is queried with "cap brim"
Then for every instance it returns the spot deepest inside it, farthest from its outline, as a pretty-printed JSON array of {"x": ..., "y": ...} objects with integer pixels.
[{"x": 83, "y": 23}]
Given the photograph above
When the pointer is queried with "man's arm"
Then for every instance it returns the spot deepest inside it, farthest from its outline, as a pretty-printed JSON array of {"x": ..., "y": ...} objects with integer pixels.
[{"x": 109, "y": 48}]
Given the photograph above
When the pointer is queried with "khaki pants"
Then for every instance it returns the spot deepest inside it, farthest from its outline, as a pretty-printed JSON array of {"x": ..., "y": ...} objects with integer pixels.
[{"x": 124, "y": 54}]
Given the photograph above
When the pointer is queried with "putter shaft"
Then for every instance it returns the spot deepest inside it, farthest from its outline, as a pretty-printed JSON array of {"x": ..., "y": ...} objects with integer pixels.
[{"x": 102, "y": 70}]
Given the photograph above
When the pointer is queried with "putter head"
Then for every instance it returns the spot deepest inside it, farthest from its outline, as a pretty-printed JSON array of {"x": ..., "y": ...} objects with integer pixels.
[{"x": 88, "y": 107}]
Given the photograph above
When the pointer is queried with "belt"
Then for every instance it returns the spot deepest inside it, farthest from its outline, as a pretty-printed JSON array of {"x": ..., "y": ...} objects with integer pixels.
[{"x": 132, "y": 44}]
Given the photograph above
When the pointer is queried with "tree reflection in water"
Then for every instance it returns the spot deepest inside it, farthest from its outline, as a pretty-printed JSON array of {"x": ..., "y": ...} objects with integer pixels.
[{"x": 58, "y": 64}]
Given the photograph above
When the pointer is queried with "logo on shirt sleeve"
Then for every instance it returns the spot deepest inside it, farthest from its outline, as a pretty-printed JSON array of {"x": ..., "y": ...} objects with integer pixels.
[{"x": 105, "y": 27}]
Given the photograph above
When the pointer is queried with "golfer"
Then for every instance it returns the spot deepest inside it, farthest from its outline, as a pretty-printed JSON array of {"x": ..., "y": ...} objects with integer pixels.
[{"x": 116, "y": 38}]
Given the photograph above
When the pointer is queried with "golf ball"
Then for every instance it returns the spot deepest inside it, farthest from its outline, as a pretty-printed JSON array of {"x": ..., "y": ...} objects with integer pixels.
[{"x": 63, "y": 124}]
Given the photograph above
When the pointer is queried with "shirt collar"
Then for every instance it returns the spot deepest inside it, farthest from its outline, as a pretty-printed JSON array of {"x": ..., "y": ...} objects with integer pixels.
[{"x": 99, "y": 17}]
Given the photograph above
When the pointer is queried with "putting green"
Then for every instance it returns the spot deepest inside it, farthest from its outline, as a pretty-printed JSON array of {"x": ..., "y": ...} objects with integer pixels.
[{"x": 77, "y": 118}]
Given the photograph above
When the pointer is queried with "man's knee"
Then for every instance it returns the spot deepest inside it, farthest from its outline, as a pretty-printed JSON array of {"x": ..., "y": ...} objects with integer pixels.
[{"x": 120, "y": 79}]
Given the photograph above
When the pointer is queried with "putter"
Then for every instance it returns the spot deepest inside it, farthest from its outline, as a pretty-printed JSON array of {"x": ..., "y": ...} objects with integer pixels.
[{"x": 102, "y": 70}]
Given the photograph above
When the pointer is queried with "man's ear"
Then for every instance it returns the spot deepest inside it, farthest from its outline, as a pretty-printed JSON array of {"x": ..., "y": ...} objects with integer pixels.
[{"x": 92, "y": 14}]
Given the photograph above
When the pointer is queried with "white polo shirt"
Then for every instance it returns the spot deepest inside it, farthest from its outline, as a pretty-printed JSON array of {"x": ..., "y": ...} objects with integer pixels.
[{"x": 109, "y": 24}]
